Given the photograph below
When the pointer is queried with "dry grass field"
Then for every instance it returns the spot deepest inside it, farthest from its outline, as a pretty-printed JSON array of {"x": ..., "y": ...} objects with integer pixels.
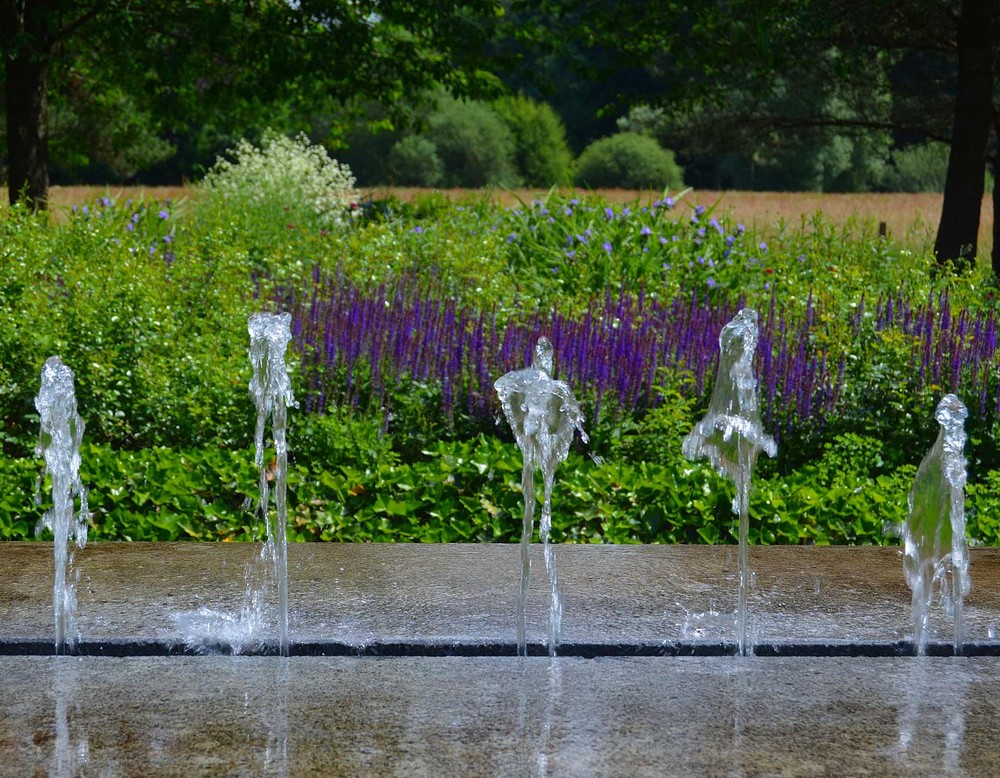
[{"x": 910, "y": 218}]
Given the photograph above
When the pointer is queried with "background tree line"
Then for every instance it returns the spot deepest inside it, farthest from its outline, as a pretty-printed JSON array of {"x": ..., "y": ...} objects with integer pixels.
[{"x": 831, "y": 95}]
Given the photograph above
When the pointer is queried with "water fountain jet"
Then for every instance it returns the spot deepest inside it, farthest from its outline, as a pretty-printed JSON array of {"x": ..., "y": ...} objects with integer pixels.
[
  {"x": 271, "y": 391},
  {"x": 59, "y": 443},
  {"x": 543, "y": 415},
  {"x": 935, "y": 550},
  {"x": 731, "y": 435}
]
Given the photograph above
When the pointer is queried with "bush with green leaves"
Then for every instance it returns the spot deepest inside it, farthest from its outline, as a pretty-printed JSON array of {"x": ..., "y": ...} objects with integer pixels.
[
  {"x": 628, "y": 160},
  {"x": 281, "y": 183},
  {"x": 918, "y": 168},
  {"x": 542, "y": 153},
  {"x": 474, "y": 144},
  {"x": 414, "y": 161}
]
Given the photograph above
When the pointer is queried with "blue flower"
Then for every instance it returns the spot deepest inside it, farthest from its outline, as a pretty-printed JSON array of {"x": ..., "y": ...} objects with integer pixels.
[
  {"x": 606, "y": 246},
  {"x": 763, "y": 246},
  {"x": 609, "y": 213},
  {"x": 710, "y": 282},
  {"x": 512, "y": 237},
  {"x": 645, "y": 231},
  {"x": 164, "y": 214}
]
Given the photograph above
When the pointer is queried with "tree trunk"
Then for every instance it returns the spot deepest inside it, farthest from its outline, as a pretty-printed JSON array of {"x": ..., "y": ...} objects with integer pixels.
[
  {"x": 995, "y": 254},
  {"x": 963, "y": 190},
  {"x": 27, "y": 28},
  {"x": 27, "y": 130}
]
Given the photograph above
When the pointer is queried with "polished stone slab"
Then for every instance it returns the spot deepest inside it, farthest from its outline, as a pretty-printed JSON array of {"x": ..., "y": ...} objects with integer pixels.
[
  {"x": 469, "y": 717},
  {"x": 388, "y": 595}
]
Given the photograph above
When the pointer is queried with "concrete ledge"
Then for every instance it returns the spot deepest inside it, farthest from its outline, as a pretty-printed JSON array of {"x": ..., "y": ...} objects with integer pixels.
[{"x": 638, "y": 598}]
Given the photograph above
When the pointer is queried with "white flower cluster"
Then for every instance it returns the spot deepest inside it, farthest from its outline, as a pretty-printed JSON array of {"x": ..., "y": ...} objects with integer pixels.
[{"x": 282, "y": 175}]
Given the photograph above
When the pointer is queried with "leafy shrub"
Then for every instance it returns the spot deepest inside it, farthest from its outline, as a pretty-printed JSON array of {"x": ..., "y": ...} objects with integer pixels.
[
  {"x": 919, "y": 168},
  {"x": 414, "y": 161},
  {"x": 283, "y": 181},
  {"x": 542, "y": 154},
  {"x": 627, "y": 160},
  {"x": 474, "y": 144}
]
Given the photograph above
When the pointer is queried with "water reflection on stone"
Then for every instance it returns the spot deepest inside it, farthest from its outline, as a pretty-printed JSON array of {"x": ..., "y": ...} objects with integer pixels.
[
  {"x": 71, "y": 748},
  {"x": 931, "y": 721}
]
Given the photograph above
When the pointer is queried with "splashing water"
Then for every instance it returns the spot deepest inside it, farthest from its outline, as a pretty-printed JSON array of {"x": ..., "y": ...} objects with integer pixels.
[
  {"x": 271, "y": 390},
  {"x": 543, "y": 415},
  {"x": 731, "y": 435},
  {"x": 59, "y": 443},
  {"x": 934, "y": 545}
]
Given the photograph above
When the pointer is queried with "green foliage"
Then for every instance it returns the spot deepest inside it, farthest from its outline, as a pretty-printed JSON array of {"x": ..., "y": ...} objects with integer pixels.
[
  {"x": 474, "y": 144},
  {"x": 147, "y": 302},
  {"x": 628, "y": 161},
  {"x": 919, "y": 168},
  {"x": 542, "y": 154},
  {"x": 414, "y": 161},
  {"x": 282, "y": 182}
]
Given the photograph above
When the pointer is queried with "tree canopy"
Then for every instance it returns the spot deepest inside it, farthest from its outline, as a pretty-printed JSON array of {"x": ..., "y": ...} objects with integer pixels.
[
  {"x": 773, "y": 72},
  {"x": 190, "y": 65}
]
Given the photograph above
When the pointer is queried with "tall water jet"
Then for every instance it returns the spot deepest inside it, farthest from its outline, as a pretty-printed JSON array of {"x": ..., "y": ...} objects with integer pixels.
[
  {"x": 59, "y": 443},
  {"x": 271, "y": 390},
  {"x": 934, "y": 544},
  {"x": 209, "y": 630},
  {"x": 543, "y": 415},
  {"x": 731, "y": 435}
]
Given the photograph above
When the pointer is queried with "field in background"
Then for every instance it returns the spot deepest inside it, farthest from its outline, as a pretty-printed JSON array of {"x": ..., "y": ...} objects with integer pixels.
[{"x": 910, "y": 219}]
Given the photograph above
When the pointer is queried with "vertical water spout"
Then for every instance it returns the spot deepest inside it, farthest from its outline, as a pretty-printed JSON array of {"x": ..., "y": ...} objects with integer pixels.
[
  {"x": 59, "y": 443},
  {"x": 731, "y": 435},
  {"x": 935, "y": 549},
  {"x": 544, "y": 416},
  {"x": 271, "y": 390}
]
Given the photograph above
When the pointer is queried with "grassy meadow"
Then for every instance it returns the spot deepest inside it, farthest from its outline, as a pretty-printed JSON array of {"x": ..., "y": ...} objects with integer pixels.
[
  {"x": 911, "y": 219},
  {"x": 406, "y": 306}
]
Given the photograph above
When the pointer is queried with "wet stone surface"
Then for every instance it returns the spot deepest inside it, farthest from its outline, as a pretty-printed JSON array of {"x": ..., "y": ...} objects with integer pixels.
[
  {"x": 497, "y": 715},
  {"x": 355, "y": 595}
]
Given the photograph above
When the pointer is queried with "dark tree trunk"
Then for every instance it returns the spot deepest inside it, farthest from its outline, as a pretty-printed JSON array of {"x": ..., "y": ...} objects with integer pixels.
[
  {"x": 995, "y": 253},
  {"x": 963, "y": 190},
  {"x": 27, "y": 130},
  {"x": 27, "y": 31}
]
